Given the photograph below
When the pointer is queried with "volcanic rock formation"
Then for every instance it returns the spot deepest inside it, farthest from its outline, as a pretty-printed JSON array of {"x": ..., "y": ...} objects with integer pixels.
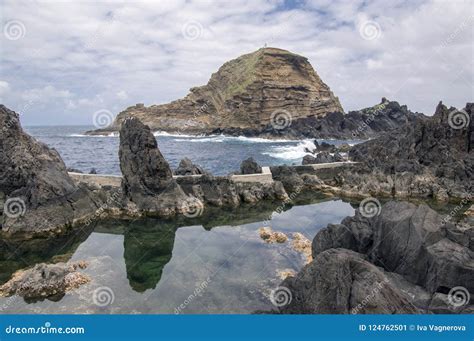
[
  {"x": 36, "y": 192},
  {"x": 407, "y": 259},
  {"x": 243, "y": 95},
  {"x": 432, "y": 157}
]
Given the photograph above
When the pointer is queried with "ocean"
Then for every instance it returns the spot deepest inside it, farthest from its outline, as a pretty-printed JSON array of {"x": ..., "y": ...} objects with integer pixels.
[{"x": 219, "y": 155}]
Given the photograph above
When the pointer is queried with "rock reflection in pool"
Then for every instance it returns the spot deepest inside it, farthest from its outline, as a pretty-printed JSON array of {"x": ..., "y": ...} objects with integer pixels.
[{"x": 157, "y": 266}]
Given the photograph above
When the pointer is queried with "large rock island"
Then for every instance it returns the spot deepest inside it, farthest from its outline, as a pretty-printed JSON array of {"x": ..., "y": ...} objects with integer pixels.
[{"x": 270, "y": 93}]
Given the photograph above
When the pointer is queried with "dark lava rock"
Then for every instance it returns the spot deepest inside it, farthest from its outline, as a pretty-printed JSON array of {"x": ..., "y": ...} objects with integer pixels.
[
  {"x": 340, "y": 281},
  {"x": 74, "y": 170},
  {"x": 147, "y": 178},
  {"x": 326, "y": 147},
  {"x": 420, "y": 253},
  {"x": 38, "y": 192},
  {"x": 438, "y": 158},
  {"x": 250, "y": 166},
  {"x": 322, "y": 157},
  {"x": 288, "y": 177},
  {"x": 308, "y": 160},
  {"x": 186, "y": 167},
  {"x": 93, "y": 171}
]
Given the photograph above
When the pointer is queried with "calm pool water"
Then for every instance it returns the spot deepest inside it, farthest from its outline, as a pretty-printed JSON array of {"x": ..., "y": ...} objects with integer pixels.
[{"x": 216, "y": 263}]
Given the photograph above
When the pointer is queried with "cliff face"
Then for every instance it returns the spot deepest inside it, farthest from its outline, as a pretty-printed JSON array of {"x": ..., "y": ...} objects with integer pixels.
[{"x": 243, "y": 94}]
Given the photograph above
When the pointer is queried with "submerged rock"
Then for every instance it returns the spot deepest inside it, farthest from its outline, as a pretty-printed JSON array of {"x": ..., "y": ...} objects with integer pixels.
[
  {"x": 303, "y": 245},
  {"x": 270, "y": 236},
  {"x": 45, "y": 280}
]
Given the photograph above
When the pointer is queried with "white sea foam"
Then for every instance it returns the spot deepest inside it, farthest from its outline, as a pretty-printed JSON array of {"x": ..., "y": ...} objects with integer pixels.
[
  {"x": 223, "y": 138},
  {"x": 291, "y": 152},
  {"x": 164, "y": 133},
  {"x": 114, "y": 134}
]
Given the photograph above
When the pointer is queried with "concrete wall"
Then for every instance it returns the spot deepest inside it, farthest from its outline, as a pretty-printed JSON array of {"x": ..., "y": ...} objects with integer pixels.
[{"x": 323, "y": 170}]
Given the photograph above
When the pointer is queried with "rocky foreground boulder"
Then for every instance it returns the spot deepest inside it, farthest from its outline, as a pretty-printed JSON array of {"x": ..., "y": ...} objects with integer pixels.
[
  {"x": 407, "y": 259},
  {"x": 150, "y": 189},
  {"x": 432, "y": 157},
  {"x": 147, "y": 177},
  {"x": 45, "y": 281},
  {"x": 36, "y": 192}
]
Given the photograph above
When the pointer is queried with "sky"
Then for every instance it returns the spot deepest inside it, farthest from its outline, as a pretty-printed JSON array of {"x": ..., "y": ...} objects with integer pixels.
[{"x": 62, "y": 62}]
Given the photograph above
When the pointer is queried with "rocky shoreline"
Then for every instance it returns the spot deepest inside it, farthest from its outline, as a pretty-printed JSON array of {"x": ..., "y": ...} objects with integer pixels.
[
  {"x": 406, "y": 258},
  {"x": 403, "y": 259}
]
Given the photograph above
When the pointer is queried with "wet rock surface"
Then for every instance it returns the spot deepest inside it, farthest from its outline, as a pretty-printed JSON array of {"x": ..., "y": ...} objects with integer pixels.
[
  {"x": 45, "y": 280},
  {"x": 399, "y": 261}
]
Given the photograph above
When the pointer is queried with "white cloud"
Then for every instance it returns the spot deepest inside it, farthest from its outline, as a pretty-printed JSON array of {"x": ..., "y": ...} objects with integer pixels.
[
  {"x": 45, "y": 94},
  {"x": 4, "y": 88},
  {"x": 74, "y": 54},
  {"x": 122, "y": 95}
]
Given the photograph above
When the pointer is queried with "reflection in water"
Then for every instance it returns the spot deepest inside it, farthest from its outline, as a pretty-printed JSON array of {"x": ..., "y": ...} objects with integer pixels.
[
  {"x": 153, "y": 265},
  {"x": 148, "y": 246},
  {"x": 20, "y": 254}
]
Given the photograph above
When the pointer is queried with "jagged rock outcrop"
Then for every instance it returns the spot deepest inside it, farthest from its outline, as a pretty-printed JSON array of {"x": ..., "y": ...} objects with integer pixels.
[
  {"x": 36, "y": 192},
  {"x": 322, "y": 157},
  {"x": 356, "y": 125},
  {"x": 429, "y": 158},
  {"x": 242, "y": 95},
  {"x": 149, "y": 186},
  {"x": 250, "y": 166},
  {"x": 187, "y": 167},
  {"x": 147, "y": 178},
  {"x": 413, "y": 251}
]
